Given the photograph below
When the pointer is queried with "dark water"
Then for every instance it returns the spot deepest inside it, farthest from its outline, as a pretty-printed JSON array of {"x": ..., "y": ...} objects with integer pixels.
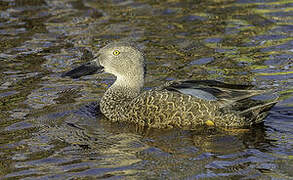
[{"x": 48, "y": 125}]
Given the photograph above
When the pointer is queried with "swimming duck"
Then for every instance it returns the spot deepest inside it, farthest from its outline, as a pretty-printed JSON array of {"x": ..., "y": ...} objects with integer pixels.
[{"x": 180, "y": 103}]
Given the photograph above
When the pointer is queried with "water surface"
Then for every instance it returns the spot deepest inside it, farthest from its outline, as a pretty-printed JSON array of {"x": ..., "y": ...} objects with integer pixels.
[{"x": 49, "y": 127}]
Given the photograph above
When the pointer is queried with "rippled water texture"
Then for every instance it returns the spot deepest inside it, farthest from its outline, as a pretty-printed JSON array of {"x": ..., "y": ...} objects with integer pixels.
[{"x": 48, "y": 125}]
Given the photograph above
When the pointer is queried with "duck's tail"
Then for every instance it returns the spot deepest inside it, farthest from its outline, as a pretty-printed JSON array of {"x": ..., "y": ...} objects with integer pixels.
[{"x": 256, "y": 114}]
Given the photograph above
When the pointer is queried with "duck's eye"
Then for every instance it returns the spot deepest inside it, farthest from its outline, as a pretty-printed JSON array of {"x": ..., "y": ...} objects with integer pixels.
[{"x": 116, "y": 52}]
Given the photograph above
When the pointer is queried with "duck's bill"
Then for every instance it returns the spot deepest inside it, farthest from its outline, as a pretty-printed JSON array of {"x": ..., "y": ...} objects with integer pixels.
[{"x": 89, "y": 68}]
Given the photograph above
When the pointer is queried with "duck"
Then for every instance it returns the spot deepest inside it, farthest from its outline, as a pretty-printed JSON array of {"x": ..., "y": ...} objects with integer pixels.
[{"x": 176, "y": 103}]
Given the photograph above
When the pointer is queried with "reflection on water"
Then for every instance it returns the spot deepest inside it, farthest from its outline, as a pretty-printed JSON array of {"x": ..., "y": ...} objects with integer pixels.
[{"x": 50, "y": 126}]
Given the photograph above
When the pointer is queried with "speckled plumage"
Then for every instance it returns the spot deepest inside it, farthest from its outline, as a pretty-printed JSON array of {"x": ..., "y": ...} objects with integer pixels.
[{"x": 175, "y": 104}]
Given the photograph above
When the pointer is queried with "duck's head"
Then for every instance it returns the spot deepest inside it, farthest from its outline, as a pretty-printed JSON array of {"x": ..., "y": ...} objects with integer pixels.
[{"x": 120, "y": 59}]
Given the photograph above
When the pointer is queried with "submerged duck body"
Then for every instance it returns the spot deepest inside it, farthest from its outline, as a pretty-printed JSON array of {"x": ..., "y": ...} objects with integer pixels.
[{"x": 175, "y": 104}]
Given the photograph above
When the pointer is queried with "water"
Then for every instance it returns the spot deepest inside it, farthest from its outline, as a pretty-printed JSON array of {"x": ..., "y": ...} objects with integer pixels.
[{"x": 48, "y": 125}]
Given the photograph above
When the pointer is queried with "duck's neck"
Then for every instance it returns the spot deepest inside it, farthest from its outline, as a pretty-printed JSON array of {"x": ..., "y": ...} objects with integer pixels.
[
  {"x": 133, "y": 84},
  {"x": 118, "y": 96}
]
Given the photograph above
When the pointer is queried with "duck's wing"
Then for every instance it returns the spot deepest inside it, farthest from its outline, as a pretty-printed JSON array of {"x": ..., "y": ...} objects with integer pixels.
[
  {"x": 211, "y": 90},
  {"x": 229, "y": 97}
]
